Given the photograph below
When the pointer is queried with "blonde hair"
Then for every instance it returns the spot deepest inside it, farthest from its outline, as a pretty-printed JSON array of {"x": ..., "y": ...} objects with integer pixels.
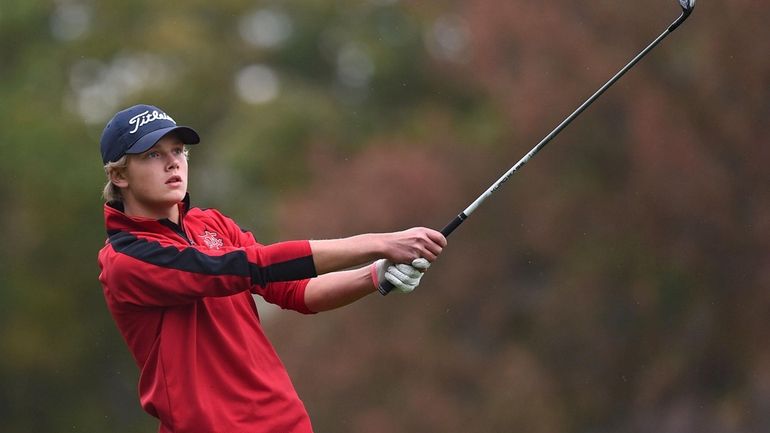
[{"x": 111, "y": 192}]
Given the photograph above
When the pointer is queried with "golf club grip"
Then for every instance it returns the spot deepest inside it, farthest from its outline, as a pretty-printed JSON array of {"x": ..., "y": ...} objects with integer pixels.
[
  {"x": 386, "y": 286},
  {"x": 449, "y": 228}
]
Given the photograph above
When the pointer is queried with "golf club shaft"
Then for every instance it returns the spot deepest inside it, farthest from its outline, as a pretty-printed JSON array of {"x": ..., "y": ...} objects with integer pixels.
[
  {"x": 449, "y": 228},
  {"x": 462, "y": 216}
]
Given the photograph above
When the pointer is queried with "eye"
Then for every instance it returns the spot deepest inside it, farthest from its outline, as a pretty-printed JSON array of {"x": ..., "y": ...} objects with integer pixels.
[
  {"x": 152, "y": 155},
  {"x": 178, "y": 151}
]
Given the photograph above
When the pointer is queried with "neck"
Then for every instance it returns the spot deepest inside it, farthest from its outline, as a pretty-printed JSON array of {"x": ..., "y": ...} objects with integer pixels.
[{"x": 135, "y": 209}]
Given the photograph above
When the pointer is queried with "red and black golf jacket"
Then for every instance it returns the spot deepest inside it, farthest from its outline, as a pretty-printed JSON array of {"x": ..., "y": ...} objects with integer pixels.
[{"x": 181, "y": 296}]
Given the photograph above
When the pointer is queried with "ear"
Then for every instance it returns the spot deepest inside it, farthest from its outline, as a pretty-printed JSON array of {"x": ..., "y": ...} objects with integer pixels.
[{"x": 118, "y": 178}]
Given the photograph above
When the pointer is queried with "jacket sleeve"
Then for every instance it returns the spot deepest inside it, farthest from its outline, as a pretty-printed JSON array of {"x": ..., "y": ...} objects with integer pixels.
[
  {"x": 288, "y": 295},
  {"x": 148, "y": 272}
]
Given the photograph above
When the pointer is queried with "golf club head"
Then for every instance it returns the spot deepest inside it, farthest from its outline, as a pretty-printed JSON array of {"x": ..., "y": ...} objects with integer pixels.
[{"x": 687, "y": 5}]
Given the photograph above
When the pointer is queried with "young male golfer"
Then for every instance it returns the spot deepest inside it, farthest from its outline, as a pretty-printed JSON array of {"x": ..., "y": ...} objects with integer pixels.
[{"x": 179, "y": 281}]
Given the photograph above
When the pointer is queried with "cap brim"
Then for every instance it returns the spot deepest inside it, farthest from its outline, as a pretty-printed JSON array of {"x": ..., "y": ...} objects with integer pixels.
[{"x": 186, "y": 134}]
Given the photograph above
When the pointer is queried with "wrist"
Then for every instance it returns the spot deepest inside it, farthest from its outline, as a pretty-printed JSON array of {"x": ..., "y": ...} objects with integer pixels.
[{"x": 376, "y": 245}]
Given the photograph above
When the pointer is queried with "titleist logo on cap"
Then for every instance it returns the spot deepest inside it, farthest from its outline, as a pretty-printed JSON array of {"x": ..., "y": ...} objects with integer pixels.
[{"x": 146, "y": 117}]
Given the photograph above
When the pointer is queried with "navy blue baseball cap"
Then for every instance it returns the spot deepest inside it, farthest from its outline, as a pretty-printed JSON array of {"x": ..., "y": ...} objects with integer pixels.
[{"x": 137, "y": 129}]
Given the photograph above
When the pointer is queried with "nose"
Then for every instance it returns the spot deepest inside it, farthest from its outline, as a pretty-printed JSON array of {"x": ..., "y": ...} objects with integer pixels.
[{"x": 172, "y": 163}]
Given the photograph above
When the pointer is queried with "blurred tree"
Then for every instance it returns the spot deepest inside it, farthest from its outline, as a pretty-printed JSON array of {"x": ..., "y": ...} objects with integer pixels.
[{"x": 619, "y": 283}]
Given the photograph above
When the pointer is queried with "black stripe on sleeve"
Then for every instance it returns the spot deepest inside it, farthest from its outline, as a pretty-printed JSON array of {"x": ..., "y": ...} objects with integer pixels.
[
  {"x": 288, "y": 270},
  {"x": 192, "y": 260}
]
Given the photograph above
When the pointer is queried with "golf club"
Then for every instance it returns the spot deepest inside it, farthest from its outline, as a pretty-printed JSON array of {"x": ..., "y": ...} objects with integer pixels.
[{"x": 687, "y": 7}]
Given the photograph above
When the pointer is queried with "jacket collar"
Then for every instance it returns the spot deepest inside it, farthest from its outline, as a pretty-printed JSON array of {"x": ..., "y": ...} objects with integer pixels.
[{"x": 115, "y": 218}]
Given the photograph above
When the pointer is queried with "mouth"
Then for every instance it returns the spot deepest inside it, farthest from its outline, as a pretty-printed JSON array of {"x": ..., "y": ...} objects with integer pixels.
[{"x": 174, "y": 180}]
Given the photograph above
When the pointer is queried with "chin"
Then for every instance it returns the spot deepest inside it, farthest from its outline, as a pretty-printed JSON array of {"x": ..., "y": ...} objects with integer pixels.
[
  {"x": 170, "y": 198},
  {"x": 178, "y": 196}
]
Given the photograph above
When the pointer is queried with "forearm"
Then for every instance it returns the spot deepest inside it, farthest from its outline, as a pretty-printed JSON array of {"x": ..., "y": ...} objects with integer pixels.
[
  {"x": 338, "y": 254},
  {"x": 398, "y": 247},
  {"x": 337, "y": 289}
]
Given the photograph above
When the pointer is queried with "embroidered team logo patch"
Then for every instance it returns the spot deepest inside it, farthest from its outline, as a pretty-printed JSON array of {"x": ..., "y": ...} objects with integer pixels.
[{"x": 211, "y": 240}]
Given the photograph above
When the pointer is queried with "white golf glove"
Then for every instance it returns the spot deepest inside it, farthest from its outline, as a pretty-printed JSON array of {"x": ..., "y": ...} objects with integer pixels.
[{"x": 404, "y": 278}]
